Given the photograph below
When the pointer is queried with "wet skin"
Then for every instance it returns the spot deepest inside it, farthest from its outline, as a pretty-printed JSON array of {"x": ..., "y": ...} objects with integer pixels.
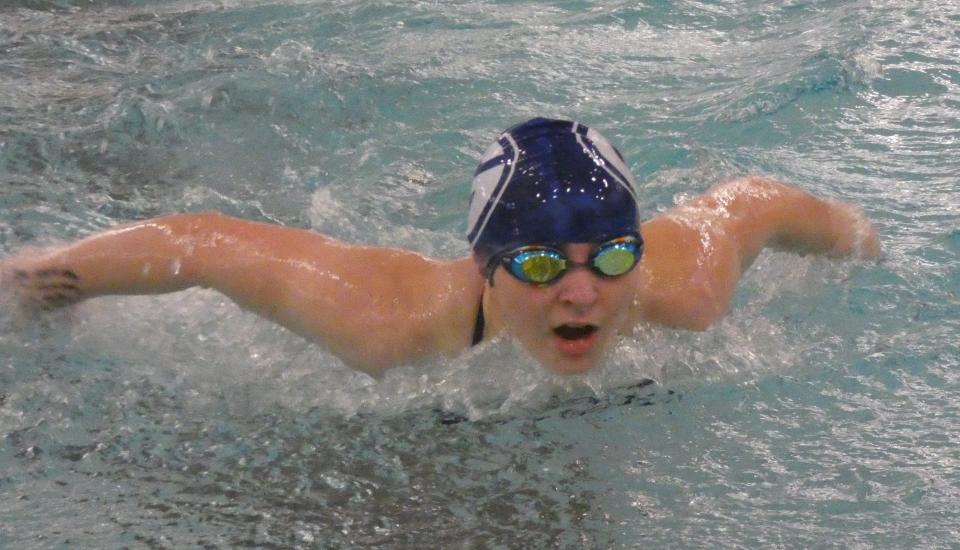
[
  {"x": 416, "y": 308},
  {"x": 567, "y": 326}
]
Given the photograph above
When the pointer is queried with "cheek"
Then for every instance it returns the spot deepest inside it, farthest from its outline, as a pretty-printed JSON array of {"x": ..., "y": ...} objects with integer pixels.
[
  {"x": 523, "y": 308},
  {"x": 619, "y": 296}
]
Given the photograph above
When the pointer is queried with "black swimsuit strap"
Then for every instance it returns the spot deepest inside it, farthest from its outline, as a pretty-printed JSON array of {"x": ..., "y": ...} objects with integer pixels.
[{"x": 478, "y": 326}]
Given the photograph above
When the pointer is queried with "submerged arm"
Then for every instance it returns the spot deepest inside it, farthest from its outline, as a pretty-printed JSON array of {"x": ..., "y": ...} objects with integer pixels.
[
  {"x": 374, "y": 307},
  {"x": 698, "y": 251}
]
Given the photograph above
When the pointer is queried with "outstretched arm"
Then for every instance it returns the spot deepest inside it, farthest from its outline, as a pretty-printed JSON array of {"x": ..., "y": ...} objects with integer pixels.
[
  {"x": 374, "y": 307},
  {"x": 697, "y": 252}
]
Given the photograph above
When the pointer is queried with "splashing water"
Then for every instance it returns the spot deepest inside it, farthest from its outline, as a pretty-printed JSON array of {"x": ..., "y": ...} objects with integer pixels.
[{"x": 821, "y": 409}]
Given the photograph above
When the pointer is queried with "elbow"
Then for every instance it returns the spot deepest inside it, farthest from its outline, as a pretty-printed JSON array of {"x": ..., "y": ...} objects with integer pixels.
[
  {"x": 195, "y": 241},
  {"x": 698, "y": 324},
  {"x": 375, "y": 367},
  {"x": 697, "y": 318}
]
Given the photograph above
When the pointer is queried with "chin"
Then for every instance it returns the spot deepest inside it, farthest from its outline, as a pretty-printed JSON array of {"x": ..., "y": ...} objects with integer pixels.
[{"x": 562, "y": 363}]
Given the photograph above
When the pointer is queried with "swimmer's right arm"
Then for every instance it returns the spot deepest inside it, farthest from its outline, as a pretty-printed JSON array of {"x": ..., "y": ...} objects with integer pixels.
[
  {"x": 140, "y": 258},
  {"x": 374, "y": 307}
]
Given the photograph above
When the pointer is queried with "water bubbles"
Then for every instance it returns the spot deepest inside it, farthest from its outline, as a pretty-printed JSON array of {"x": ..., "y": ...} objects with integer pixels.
[
  {"x": 334, "y": 482},
  {"x": 830, "y": 388}
]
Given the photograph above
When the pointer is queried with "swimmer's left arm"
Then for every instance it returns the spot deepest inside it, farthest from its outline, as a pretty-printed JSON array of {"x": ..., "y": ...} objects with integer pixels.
[
  {"x": 697, "y": 252},
  {"x": 758, "y": 212}
]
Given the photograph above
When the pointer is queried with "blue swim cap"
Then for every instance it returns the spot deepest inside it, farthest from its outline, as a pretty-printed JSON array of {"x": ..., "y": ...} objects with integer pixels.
[{"x": 549, "y": 182}]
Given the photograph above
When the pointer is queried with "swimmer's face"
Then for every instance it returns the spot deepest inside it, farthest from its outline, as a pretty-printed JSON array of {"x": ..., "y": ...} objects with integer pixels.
[{"x": 568, "y": 325}]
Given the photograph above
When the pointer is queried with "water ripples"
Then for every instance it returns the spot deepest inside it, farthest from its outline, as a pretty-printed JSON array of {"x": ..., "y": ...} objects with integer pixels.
[{"x": 821, "y": 409}]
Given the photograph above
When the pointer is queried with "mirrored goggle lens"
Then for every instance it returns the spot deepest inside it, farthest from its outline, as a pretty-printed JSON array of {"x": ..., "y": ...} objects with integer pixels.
[
  {"x": 616, "y": 259},
  {"x": 538, "y": 266}
]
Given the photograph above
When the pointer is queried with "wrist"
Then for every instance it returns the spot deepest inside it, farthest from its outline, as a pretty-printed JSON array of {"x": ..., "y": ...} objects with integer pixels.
[{"x": 853, "y": 234}]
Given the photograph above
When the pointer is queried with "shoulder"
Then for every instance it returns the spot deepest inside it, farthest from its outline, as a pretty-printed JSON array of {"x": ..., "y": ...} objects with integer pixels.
[
  {"x": 688, "y": 271},
  {"x": 439, "y": 300},
  {"x": 696, "y": 252},
  {"x": 459, "y": 293},
  {"x": 391, "y": 307}
]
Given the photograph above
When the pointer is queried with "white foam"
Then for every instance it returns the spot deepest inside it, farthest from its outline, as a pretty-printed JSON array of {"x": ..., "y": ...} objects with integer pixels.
[{"x": 207, "y": 347}]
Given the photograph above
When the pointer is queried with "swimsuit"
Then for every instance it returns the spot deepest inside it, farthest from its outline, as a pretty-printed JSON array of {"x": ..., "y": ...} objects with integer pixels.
[{"x": 478, "y": 325}]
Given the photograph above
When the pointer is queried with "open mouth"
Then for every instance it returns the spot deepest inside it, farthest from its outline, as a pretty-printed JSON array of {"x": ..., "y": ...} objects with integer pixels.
[{"x": 574, "y": 332}]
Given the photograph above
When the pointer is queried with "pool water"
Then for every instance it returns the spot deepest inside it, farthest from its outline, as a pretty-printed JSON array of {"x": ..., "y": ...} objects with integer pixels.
[{"x": 820, "y": 413}]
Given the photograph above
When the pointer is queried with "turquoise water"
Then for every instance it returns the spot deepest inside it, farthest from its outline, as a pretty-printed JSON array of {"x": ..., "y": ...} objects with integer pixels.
[{"x": 822, "y": 413}]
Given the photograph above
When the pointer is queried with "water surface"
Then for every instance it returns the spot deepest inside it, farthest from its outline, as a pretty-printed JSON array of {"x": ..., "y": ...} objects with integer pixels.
[{"x": 821, "y": 413}]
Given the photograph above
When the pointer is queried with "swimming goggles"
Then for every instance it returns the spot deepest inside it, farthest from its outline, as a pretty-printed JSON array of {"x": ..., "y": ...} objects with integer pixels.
[{"x": 544, "y": 265}]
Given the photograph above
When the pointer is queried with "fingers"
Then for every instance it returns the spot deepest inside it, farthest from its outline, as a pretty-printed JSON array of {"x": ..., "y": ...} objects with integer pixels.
[{"x": 42, "y": 288}]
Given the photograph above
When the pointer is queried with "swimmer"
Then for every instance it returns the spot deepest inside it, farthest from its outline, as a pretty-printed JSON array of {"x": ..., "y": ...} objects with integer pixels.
[{"x": 561, "y": 261}]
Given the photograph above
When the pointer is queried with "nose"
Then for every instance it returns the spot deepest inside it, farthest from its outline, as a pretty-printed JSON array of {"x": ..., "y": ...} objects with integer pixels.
[{"x": 578, "y": 288}]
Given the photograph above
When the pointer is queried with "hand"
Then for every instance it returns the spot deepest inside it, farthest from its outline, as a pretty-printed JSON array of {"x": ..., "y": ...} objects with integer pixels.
[
  {"x": 34, "y": 285},
  {"x": 856, "y": 236}
]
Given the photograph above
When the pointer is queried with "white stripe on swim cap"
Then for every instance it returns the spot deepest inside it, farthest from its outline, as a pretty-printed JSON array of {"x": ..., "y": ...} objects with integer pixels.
[
  {"x": 609, "y": 156},
  {"x": 486, "y": 183}
]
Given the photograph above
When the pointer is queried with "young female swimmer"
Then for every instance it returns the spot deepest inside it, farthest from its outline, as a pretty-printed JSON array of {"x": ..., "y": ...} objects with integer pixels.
[{"x": 560, "y": 260}]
